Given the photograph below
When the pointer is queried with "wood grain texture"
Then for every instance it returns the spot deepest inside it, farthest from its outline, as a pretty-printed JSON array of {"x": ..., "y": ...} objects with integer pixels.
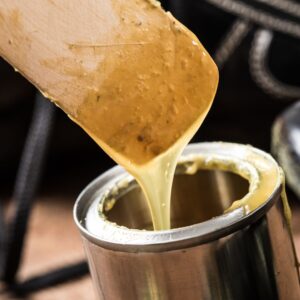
[{"x": 37, "y": 38}]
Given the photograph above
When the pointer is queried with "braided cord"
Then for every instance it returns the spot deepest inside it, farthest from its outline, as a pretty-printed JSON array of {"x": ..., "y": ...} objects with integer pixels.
[
  {"x": 260, "y": 72},
  {"x": 259, "y": 17},
  {"x": 262, "y": 41},
  {"x": 231, "y": 41},
  {"x": 27, "y": 181},
  {"x": 287, "y": 6}
]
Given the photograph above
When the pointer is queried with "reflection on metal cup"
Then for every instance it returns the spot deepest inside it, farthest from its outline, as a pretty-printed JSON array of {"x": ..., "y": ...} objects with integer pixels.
[{"x": 208, "y": 254}]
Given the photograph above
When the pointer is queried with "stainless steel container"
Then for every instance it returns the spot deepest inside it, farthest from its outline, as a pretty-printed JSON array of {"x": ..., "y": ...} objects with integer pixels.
[{"x": 208, "y": 255}]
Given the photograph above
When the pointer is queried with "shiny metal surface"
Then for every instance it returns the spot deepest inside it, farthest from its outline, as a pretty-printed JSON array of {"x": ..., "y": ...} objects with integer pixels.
[{"x": 223, "y": 256}]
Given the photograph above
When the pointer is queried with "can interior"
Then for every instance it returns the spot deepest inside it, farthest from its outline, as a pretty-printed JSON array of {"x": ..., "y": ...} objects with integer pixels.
[{"x": 195, "y": 198}]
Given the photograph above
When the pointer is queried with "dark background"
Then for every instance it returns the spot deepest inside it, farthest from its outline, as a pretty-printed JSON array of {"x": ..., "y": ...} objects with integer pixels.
[{"x": 242, "y": 112}]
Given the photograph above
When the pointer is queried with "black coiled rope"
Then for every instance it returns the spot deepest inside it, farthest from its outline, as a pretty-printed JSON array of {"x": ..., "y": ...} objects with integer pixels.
[
  {"x": 13, "y": 234},
  {"x": 269, "y": 16}
]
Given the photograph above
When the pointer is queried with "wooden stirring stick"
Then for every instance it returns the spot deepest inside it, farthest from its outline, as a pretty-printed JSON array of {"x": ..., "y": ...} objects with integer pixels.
[{"x": 127, "y": 72}]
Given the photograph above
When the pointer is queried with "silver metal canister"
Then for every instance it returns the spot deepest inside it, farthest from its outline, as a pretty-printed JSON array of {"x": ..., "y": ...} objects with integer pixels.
[{"x": 208, "y": 254}]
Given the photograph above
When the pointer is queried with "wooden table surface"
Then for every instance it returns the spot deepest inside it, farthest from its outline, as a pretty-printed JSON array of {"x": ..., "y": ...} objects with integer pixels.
[{"x": 54, "y": 241}]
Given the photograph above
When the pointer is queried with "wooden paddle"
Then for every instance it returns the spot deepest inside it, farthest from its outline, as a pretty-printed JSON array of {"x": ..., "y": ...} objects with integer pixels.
[{"x": 126, "y": 71}]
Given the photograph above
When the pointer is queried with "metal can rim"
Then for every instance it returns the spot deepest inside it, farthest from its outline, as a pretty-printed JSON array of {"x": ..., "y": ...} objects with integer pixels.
[{"x": 178, "y": 238}]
